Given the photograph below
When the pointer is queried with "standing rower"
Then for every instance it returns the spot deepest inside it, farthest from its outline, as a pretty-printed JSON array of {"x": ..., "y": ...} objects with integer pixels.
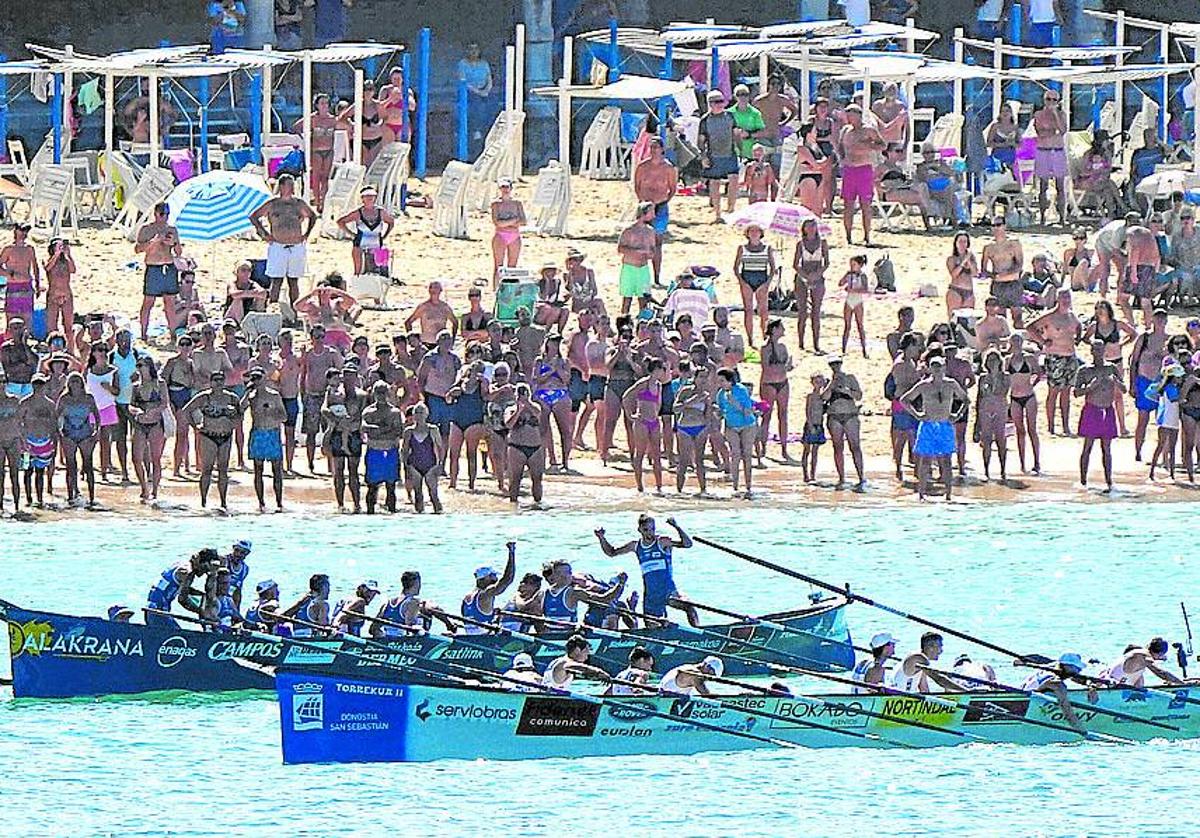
[
  {"x": 914, "y": 675},
  {"x": 313, "y": 607},
  {"x": 654, "y": 555},
  {"x": 344, "y": 612},
  {"x": 873, "y": 670},
  {"x": 480, "y": 604},
  {"x": 401, "y": 611},
  {"x": 238, "y": 569},
  {"x": 1131, "y": 668}
]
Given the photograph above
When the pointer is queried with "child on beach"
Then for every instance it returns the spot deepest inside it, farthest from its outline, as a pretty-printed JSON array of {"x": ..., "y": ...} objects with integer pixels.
[
  {"x": 761, "y": 181},
  {"x": 814, "y": 428},
  {"x": 857, "y": 286}
]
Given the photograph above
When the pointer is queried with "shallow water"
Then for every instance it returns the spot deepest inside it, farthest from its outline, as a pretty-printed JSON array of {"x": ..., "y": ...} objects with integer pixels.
[{"x": 1041, "y": 578}]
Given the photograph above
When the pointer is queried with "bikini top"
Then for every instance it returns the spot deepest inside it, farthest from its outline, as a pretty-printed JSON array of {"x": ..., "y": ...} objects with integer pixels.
[
  {"x": 1113, "y": 336},
  {"x": 811, "y": 257}
]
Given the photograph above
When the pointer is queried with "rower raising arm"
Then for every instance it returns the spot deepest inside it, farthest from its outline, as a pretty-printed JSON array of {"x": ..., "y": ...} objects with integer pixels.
[
  {"x": 655, "y": 559},
  {"x": 480, "y": 604}
]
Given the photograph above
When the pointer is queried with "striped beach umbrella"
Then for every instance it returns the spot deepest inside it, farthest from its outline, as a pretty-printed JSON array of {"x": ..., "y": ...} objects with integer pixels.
[
  {"x": 775, "y": 218},
  {"x": 216, "y": 205}
]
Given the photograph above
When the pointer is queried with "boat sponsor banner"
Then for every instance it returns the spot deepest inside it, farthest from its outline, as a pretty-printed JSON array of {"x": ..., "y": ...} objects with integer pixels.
[
  {"x": 842, "y": 713},
  {"x": 553, "y": 716},
  {"x": 334, "y": 720},
  {"x": 902, "y": 710}
]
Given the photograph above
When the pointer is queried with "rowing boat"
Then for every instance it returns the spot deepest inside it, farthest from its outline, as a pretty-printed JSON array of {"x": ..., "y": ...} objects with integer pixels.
[
  {"x": 62, "y": 656},
  {"x": 328, "y": 719}
]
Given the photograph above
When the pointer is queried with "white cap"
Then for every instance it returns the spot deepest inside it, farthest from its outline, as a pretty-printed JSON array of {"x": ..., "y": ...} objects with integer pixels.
[
  {"x": 370, "y": 585},
  {"x": 522, "y": 661},
  {"x": 714, "y": 665},
  {"x": 484, "y": 572},
  {"x": 881, "y": 639}
]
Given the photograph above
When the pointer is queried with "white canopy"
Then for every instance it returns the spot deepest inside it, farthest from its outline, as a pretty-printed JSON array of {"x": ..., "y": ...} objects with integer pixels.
[
  {"x": 911, "y": 67},
  {"x": 1088, "y": 53},
  {"x": 345, "y": 52},
  {"x": 21, "y": 68},
  {"x": 627, "y": 87},
  {"x": 1098, "y": 75}
]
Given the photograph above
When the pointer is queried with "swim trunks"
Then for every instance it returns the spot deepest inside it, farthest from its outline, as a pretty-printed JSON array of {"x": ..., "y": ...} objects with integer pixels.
[
  {"x": 635, "y": 280},
  {"x": 902, "y": 420},
  {"x": 721, "y": 168},
  {"x": 1050, "y": 162},
  {"x": 1098, "y": 422},
  {"x": 662, "y": 217},
  {"x": 161, "y": 280},
  {"x": 41, "y": 451},
  {"x": 934, "y": 439},
  {"x": 1061, "y": 369},
  {"x": 383, "y": 465},
  {"x": 265, "y": 444},
  {"x": 814, "y": 434},
  {"x": 1007, "y": 294},
  {"x": 858, "y": 182},
  {"x": 1139, "y": 281},
  {"x": 1143, "y": 402}
]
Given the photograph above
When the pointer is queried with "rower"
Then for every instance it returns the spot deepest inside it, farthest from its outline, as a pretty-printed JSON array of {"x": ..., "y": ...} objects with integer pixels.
[
  {"x": 975, "y": 675},
  {"x": 607, "y": 615},
  {"x": 1131, "y": 668},
  {"x": 1053, "y": 679},
  {"x": 175, "y": 586},
  {"x": 403, "y": 610},
  {"x": 692, "y": 679},
  {"x": 873, "y": 670},
  {"x": 563, "y": 670},
  {"x": 219, "y": 608},
  {"x": 313, "y": 607},
  {"x": 264, "y": 612},
  {"x": 523, "y": 670},
  {"x": 527, "y": 600},
  {"x": 639, "y": 672},
  {"x": 561, "y": 601},
  {"x": 238, "y": 569},
  {"x": 480, "y": 604},
  {"x": 119, "y": 613},
  {"x": 913, "y": 675},
  {"x": 343, "y": 619},
  {"x": 654, "y": 555}
]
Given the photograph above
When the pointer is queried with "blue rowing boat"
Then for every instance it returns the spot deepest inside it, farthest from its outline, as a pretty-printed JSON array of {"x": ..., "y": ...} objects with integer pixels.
[{"x": 62, "y": 656}]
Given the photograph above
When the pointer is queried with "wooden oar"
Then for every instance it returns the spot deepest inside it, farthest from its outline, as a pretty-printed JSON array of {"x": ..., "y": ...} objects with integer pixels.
[{"x": 841, "y": 679}]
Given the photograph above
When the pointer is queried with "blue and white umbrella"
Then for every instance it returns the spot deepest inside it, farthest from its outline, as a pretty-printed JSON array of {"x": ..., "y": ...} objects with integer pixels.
[{"x": 216, "y": 205}]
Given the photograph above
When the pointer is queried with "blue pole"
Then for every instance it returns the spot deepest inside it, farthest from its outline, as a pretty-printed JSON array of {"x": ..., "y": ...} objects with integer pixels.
[
  {"x": 714, "y": 70},
  {"x": 1097, "y": 104},
  {"x": 204, "y": 93},
  {"x": 461, "y": 111},
  {"x": 423, "y": 45},
  {"x": 614, "y": 55},
  {"x": 1056, "y": 40},
  {"x": 371, "y": 67},
  {"x": 56, "y": 117},
  {"x": 664, "y": 106},
  {"x": 3, "y": 109},
  {"x": 256, "y": 88},
  {"x": 1014, "y": 38}
]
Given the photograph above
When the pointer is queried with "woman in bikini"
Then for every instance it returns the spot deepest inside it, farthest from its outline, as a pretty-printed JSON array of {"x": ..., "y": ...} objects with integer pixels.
[
  {"x": 372, "y": 130},
  {"x": 1001, "y": 138},
  {"x": 773, "y": 386},
  {"x": 1024, "y": 371},
  {"x": 498, "y": 398},
  {"x": 1189, "y": 410},
  {"x": 508, "y": 216},
  {"x": 754, "y": 265},
  {"x": 396, "y": 105},
  {"x": 467, "y": 398},
  {"x": 991, "y": 411},
  {"x": 1077, "y": 262},
  {"x": 214, "y": 413},
  {"x": 550, "y": 380},
  {"x": 146, "y": 409},
  {"x": 857, "y": 286},
  {"x": 324, "y": 126},
  {"x": 813, "y": 168},
  {"x": 60, "y": 301},
  {"x": 179, "y": 374},
  {"x": 367, "y": 226},
  {"x": 525, "y": 449},
  {"x": 641, "y": 404},
  {"x": 101, "y": 381},
  {"x": 810, "y": 263},
  {"x": 623, "y": 371},
  {"x": 842, "y": 396},
  {"x": 1116, "y": 334},
  {"x": 421, "y": 451},
  {"x": 962, "y": 267},
  {"x": 692, "y": 405},
  {"x": 78, "y": 427}
]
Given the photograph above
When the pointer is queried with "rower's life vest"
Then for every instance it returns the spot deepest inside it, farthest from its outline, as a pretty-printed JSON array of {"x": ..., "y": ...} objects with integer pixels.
[
  {"x": 166, "y": 589},
  {"x": 471, "y": 610},
  {"x": 657, "y": 573},
  {"x": 554, "y": 606}
]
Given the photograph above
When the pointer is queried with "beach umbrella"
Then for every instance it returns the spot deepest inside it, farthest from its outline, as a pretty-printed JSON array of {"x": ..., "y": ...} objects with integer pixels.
[
  {"x": 216, "y": 205},
  {"x": 1167, "y": 181},
  {"x": 775, "y": 217}
]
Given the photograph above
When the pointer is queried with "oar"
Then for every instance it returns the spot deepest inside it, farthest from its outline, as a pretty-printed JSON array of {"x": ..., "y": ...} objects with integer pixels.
[
  {"x": 771, "y": 624},
  {"x": 1105, "y": 683},
  {"x": 386, "y": 622},
  {"x": 1116, "y": 714}
]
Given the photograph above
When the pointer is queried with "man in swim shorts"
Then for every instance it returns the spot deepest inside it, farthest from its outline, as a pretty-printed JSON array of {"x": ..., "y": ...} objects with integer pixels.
[
  {"x": 382, "y": 426},
  {"x": 903, "y": 376},
  {"x": 291, "y": 221},
  {"x": 1139, "y": 280},
  {"x": 655, "y": 180},
  {"x": 942, "y": 401},
  {"x": 637, "y": 246},
  {"x": 315, "y": 365},
  {"x": 861, "y": 147},
  {"x": 1145, "y": 365},
  {"x": 1099, "y": 383},
  {"x": 1003, "y": 260},
  {"x": 267, "y": 415},
  {"x": 1050, "y": 159},
  {"x": 1057, "y": 332}
]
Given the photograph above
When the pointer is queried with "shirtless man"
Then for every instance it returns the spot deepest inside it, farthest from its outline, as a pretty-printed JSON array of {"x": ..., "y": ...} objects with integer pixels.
[
  {"x": 993, "y": 329},
  {"x": 19, "y": 264},
  {"x": 11, "y": 442},
  {"x": 159, "y": 241},
  {"x": 243, "y": 293},
  {"x": 1057, "y": 331},
  {"x": 18, "y": 360},
  {"x": 902, "y": 378},
  {"x": 943, "y": 402},
  {"x": 760, "y": 179},
  {"x": 435, "y": 377},
  {"x": 577, "y": 364},
  {"x": 1140, "y": 277},
  {"x": 529, "y": 339},
  {"x": 1099, "y": 383},
  {"x": 637, "y": 246},
  {"x": 655, "y": 181},
  {"x": 777, "y": 110},
  {"x": 962, "y": 371},
  {"x": 905, "y": 317},
  {"x": 593, "y": 356},
  {"x": 733, "y": 344},
  {"x": 1003, "y": 260},
  {"x": 433, "y": 315},
  {"x": 291, "y": 221},
  {"x": 1050, "y": 124},
  {"x": 288, "y": 379},
  {"x": 342, "y": 412},
  {"x": 860, "y": 150},
  {"x": 382, "y": 426},
  {"x": 267, "y": 415},
  {"x": 891, "y": 115},
  {"x": 1145, "y": 365},
  {"x": 315, "y": 364},
  {"x": 38, "y": 416}
]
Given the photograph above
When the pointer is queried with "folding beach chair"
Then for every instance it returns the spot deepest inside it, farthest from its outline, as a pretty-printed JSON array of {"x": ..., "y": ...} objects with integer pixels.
[
  {"x": 449, "y": 202},
  {"x": 342, "y": 197},
  {"x": 152, "y": 188},
  {"x": 388, "y": 172},
  {"x": 498, "y": 159},
  {"x": 52, "y": 201},
  {"x": 602, "y": 157},
  {"x": 551, "y": 201}
]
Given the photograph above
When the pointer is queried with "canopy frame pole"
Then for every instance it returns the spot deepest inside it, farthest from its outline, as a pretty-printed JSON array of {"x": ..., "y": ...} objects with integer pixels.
[
  {"x": 424, "y": 38},
  {"x": 998, "y": 82},
  {"x": 462, "y": 129},
  {"x": 268, "y": 93},
  {"x": 155, "y": 138},
  {"x": 1164, "y": 53},
  {"x": 564, "y": 103},
  {"x": 306, "y": 97},
  {"x": 1195, "y": 127},
  {"x": 68, "y": 85},
  {"x": 56, "y": 118},
  {"x": 510, "y": 62},
  {"x": 110, "y": 117},
  {"x": 959, "y": 58},
  {"x": 764, "y": 69},
  {"x": 614, "y": 55},
  {"x": 910, "y": 90},
  {"x": 1119, "y": 87},
  {"x": 1066, "y": 94},
  {"x": 358, "y": 114},
  {"x": 1014, "y": 36},
  {"x": 518, "y": 158},
  {"x": 203, "y": 150},
  {"x": 664, "y": 103},
  {"x": 805, "y": 84}
]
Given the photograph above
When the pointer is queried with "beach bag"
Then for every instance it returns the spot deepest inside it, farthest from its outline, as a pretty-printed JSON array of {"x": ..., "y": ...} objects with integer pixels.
[{"x": 885, "y": 274}]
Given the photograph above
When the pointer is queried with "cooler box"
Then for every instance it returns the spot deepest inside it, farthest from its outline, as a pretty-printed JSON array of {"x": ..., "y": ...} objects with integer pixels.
[{"x": 510, "y": 296}]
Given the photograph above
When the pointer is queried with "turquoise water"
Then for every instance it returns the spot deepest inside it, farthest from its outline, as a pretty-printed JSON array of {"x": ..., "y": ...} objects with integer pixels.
[{"x": 1037, "y": 577}]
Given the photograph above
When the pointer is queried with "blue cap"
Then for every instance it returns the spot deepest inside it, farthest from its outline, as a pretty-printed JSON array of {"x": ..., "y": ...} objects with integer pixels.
[
  {"x": 243, "y": 544},
  {"x": 1073, "y": 660}
]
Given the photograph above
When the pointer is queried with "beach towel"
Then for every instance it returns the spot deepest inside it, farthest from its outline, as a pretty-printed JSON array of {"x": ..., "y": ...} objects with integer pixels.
[{"x": 89, "y": 96}]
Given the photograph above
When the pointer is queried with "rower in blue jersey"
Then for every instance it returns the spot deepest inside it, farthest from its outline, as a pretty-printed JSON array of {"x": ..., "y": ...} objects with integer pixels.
[
  {"x": 402, "y": 616},
  {"x": 264, "y": 613},
  {"x": 655, "y": 558},
  {"x": 560, "y": 601},
  {"x": 238, "y": 569},
  {"x": 219, "y": 609},
  {"x": 175, "y": 585},
  {"x": 527, "y": 600},
  {"x": 313, "y": 607},
  {"x": 347, "y": 614},
  {"x": 480, "y": 604}
]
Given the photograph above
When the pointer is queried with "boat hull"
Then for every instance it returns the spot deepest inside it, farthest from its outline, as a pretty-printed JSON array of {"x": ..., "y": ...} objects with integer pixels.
[
  {"x": 341, "y": 720},
  {"x": 62, "y": 656}
]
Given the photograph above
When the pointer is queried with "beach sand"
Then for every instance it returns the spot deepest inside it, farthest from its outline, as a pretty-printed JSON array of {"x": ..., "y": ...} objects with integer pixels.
[{"x": 107, "y": 281}]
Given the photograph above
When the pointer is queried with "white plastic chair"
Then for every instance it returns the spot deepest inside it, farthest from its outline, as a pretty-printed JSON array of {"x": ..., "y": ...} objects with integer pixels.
[
  {"x": 449, "y": 202},
  {"x": 342, "y": 197},
  {"x": 551, "y": 202},
  {"x": 52, "y": 201}
]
